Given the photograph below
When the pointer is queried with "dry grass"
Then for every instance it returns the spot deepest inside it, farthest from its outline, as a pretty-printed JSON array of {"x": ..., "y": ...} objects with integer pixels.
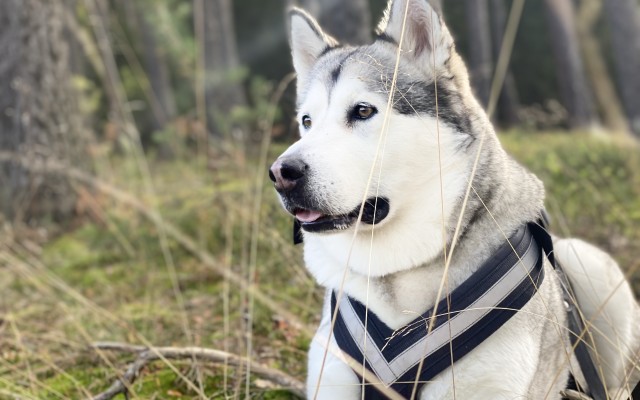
[{"x": 108, "y": 280}]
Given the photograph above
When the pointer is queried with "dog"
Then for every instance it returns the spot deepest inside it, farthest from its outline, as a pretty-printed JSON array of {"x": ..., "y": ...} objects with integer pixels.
[{"x": 402, "y": 195}]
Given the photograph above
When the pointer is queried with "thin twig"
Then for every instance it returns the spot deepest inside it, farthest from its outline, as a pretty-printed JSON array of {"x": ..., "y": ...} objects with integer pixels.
[{"x": 146, "y": 356}]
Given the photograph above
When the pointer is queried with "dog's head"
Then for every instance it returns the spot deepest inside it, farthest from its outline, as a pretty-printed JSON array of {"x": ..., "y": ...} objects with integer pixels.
[{"x": 386, "y": 133}]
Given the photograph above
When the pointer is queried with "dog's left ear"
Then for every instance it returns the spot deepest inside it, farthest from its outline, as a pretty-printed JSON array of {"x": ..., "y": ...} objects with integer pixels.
[
  {"x": 425, "y": 38},
  {"x": 308, "y": 42}
]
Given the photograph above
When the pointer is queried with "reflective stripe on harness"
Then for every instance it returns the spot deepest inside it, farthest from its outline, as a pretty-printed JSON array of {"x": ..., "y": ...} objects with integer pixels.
[{"x": 472, "y": 312}]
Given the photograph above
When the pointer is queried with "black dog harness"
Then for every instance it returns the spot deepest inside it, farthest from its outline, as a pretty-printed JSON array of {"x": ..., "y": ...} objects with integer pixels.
[
  {"x": 470, "y": 314},
  {"x": 473, "y": 312}
]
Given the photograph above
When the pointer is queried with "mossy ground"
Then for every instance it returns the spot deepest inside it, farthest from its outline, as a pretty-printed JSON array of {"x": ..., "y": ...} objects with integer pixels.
[{"x": 109, "y": 279}]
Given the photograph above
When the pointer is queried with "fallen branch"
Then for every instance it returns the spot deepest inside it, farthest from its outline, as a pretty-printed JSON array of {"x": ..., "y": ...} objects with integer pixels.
[{"x": 146, "y": 356}]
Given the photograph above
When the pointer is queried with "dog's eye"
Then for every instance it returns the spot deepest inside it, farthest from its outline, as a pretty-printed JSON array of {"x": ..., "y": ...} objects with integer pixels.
[
  {"x": 363, "y": 111},
  {"x": 306, "y": 122}
]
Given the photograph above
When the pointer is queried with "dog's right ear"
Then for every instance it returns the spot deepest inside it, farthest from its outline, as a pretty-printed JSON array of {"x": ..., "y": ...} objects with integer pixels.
[
  {"x": 419, "y": 29},
  {"x": 308, "y": 42}
]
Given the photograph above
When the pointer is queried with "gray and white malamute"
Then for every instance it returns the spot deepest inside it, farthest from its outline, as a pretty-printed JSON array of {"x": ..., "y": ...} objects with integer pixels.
[{"x": 429, "y": 238}]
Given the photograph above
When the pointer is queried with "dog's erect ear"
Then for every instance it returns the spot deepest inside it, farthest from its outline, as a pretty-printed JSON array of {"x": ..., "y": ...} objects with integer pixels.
[
  {"x": 426, "y": 38},
  {"x": 308, "y": 42}
]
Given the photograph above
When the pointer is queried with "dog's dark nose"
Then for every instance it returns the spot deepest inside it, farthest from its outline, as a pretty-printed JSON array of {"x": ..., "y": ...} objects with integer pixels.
[{"x": 286, "y": 173}]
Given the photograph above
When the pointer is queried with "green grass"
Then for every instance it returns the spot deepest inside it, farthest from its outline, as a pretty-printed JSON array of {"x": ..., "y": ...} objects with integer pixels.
[
  {"x": 115, "y": 263},
  {"x": 593, "y": 189}
]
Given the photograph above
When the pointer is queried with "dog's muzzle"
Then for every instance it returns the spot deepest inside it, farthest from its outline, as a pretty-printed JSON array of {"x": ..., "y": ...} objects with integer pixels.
[
  {"x": 289, "y": 178},
  {"x": 287, "y": 173}
]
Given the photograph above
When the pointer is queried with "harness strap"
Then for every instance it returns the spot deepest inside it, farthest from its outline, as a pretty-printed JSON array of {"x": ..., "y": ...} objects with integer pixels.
[
  {"x": 574, "y": 320},
  {"x": 385, "y": 347},
  {"x": 473, "y": 311}
]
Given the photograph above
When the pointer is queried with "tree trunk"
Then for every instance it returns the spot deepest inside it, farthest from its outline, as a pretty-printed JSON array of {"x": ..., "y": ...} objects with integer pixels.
[
  {"x": 574, "y": 91},
  {"x": 480, "y": 53},
  {"x": 76, "y": 59},
  {"x": 223, "y": 87},
  {"x": 39, "y": 116},
  {"x": 609, "y": 103},
  {"x": 155, "y": 64},
  {"x": 348, "y": 21},
  {"x": 623, "y": 17},
  {"x": 509, "y": 102}
]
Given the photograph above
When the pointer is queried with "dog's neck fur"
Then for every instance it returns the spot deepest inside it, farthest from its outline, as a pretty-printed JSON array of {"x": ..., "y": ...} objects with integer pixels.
[
  {"x": 512, "y": 196},
  {"x": 515, "y": 199}
]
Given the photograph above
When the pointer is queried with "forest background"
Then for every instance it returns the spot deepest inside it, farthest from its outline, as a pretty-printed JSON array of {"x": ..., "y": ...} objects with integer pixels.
[{"x": 142, "y": 248}]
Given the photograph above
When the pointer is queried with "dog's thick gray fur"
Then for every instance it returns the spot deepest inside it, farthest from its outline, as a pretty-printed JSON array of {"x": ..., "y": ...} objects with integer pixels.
[{"x": 420, "y": 157}]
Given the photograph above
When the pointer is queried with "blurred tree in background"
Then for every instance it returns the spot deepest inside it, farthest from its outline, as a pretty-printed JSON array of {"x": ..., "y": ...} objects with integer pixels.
[
  {"x": 347, "y": 21},
  {"x": 223, "y": 89},
  {"x": 480, "y": 53},
  {"x": 40, "y": 121},
  {"x": 623, "y": 17},
  {"x": 156, "y": 64},
  {"x": 575, "y": 92},
  {"x": 509, "y": 102},
  {"x": 608, "y": 101}
]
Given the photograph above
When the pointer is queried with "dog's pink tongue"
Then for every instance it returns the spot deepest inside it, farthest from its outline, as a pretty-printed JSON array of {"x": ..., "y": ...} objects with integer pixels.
[{"x": 308, "y": 216}]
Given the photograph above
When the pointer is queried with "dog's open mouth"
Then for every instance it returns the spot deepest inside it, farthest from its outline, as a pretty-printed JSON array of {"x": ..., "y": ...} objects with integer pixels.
[{"x": 375, "y": 210}]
